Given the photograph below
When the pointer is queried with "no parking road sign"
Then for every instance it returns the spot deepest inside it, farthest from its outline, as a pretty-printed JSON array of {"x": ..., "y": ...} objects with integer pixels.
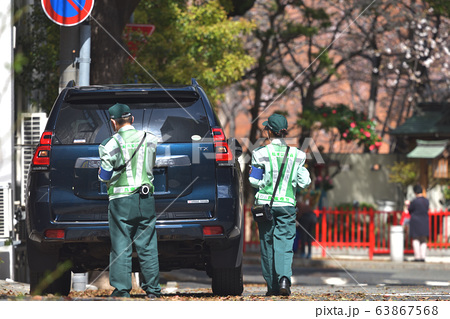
[{"x": 67, "y": 12}]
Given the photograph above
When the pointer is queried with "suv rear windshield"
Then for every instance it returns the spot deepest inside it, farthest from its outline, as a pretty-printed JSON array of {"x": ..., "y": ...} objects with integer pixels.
[{"x": 81, "y": 122}]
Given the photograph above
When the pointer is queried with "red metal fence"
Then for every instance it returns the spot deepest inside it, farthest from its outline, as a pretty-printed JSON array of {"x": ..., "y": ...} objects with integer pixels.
[{"x": 364, "y": 229}]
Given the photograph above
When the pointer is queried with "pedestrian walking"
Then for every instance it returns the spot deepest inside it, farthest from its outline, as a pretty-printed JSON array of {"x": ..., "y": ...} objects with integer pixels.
[
  {"x": 306, "y": 227},
  {"x": 277, "y": 235},
  {"x": 127, "y": 160},
  {"x": 419, "y": 223}
]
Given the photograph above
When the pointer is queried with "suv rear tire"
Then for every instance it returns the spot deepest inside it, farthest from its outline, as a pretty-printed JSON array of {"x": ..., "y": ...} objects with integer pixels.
[
  {"x": 59, "y": 284},
  {"x": 227, "y": 281},
  {"x": 48, "y": 274}
]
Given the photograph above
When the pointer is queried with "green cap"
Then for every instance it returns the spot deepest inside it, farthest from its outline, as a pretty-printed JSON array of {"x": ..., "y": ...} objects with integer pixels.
[
  {"x": 119, "y": 110},
  {"x": 276, "y": 123}
]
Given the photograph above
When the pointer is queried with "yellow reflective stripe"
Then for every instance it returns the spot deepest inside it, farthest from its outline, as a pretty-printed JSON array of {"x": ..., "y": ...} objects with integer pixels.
[
  {"x": 282, "y": 199},
  {"x": 287, "y": 182},
  {"x": 126, "y": 157},
  {"x": 140, "y": 162},
  {"x": 125, "y": 189}
]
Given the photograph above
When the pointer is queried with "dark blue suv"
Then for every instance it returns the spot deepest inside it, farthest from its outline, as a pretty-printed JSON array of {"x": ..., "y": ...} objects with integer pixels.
[{"x": 198, "y": 186}]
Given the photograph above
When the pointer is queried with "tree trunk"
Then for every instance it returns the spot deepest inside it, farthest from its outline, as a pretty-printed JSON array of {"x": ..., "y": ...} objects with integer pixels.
[
  {"x": 376, "y": 62},
  {"x": 108, "y": 51},
  {"x": 254, "y": 111},
  {"x": 385, "y": 128}
]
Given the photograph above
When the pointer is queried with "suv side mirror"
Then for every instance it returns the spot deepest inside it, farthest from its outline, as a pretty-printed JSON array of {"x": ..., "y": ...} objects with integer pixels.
[{"x": 235, "y": 146}]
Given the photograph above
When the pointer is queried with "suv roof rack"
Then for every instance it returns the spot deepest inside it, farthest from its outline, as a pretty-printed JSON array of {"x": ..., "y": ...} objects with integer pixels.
[
  {"x": 194, "y": 82},
  {"x": 70, "y": 84}
]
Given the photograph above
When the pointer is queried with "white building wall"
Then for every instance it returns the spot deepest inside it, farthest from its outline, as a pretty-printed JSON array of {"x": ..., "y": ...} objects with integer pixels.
[
  {"x": 358, "y": 182},
  {"x": 6, "y": 93},
  {"x": 6, "y": 134}
]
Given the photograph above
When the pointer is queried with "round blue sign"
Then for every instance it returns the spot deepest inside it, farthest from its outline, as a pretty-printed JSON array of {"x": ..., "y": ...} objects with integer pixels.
[{"x": 67, "y": 12}]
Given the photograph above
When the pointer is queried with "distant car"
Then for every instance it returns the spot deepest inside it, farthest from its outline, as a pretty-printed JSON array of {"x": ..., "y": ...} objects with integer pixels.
[{"x": 198, "y": 186}]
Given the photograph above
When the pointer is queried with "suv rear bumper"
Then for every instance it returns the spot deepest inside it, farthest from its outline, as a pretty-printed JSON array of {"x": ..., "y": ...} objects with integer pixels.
[
  {"x": 165, "y": 232},
  {"x": 197, "y": 251}
]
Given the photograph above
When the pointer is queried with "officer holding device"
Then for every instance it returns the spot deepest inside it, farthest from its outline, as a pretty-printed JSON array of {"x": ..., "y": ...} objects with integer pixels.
[
  {"x": 277, "y": 234},
  {"x": 127, "y": 160}
]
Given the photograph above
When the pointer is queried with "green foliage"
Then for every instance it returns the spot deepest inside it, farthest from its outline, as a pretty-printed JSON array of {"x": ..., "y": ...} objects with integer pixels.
[
  {"x": 317, "y": 14},
  {"x": 35, "y": 61},
  {"x": 325, "y": 61},
  {"x": 191, "y": 41},
  {"x": 293, "y": 30},
  {"x": 441, "y": 7},
  {"x": 446, "y": 191},
  {"x": 20, "y": 61},
  {"x": 404, "y": 173},
  {"x": 352, "y": 126},
  {"x": 237, "y": 7}
]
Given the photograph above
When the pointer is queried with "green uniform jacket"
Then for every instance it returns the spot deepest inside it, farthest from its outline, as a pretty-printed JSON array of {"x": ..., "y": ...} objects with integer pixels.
[
  {"x": 116, "y": 150},
  {"x": 269, "y": 158}
]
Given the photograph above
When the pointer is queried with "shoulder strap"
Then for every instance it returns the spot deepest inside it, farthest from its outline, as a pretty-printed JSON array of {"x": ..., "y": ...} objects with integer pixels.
[
  {"x": 279, "y": 176},
  {"x": 121, "y": 167}
]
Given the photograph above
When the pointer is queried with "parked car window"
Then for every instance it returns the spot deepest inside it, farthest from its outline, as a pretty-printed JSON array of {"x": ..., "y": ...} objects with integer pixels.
[
  {"x": 174, "y": 123},
  {"x": 82, "y": 124},
  {"x": 171, "y": 122}
]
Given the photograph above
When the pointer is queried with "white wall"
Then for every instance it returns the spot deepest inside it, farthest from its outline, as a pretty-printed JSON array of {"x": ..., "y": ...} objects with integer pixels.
[
  {"x": 6, "y": 93},
  {"x": 6, "y": 131},
  {"x": 358, "y": 182}
]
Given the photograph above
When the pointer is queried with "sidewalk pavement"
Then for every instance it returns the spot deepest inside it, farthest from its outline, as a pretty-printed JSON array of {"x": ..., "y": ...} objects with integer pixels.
[
  {"x": 362, "y": 262},
  {"x": 11, "y": 287}
]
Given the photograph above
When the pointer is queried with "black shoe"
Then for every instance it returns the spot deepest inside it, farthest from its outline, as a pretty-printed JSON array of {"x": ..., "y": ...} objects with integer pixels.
[{"x": 285, "y": 287}]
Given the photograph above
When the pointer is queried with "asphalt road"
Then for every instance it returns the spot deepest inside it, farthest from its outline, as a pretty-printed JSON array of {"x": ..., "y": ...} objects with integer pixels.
[{"x": 321, "y": 276}]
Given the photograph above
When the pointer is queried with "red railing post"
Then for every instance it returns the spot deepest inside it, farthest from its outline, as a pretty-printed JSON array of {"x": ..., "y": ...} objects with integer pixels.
[
  {"x": 445, "y": 228},
  {"x": 364, "y": 230},
  {"x": 435, "y": 233},
  {"x": 394, "y": 218},
  {"x": 324, "y": 232},
  {"x": 347, "y": 230},
  {"x": 352, "y": 230},
  {"x": 371, "y": 234}
]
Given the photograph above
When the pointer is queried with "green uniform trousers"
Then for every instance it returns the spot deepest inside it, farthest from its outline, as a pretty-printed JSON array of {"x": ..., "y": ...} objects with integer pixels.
[
  {"x": 132, "y": 220},
  {"x": 277, "y": 242}
]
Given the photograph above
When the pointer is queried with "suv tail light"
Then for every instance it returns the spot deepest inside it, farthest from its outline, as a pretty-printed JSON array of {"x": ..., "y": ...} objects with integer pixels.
[
  {"x": 41, "y": 158},
  {"x": 223, "y": 152},
  {"x": 212, "y": 230},
  {"x": 54, "y": 233}
]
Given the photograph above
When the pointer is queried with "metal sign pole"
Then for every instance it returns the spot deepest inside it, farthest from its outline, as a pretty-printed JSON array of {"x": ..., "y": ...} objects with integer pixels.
[
  {"x": 70, "y": 14},
  {"x": 85, "y": 54}
]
